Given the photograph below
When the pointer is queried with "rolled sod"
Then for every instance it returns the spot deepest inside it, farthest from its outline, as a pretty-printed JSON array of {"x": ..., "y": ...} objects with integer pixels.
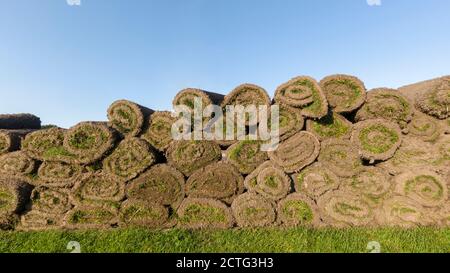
[
  {"x": 128, "y": 118},
  {"x": 297, "y": 209},
  {"x": 89, "y": 141},
  {"x": 98, "y": 189},
  {"x": 253, "y": 210},
  {"x": 201, "y": 213},
  {"x": 340, "y": 156},
  {"x": 58, "y": 174},
  {"x": 50, "y": 201},
  {"x": 246, "y": 155},
  {"x": 343, "y": 209},
  {"x": 344, "y": 93},
  {"x": 269, "y": 181},
  {"x": 291, "y": 121},
  {"x": 189, "y": 156},
  {"x": 19, "y": 121},
  {"x": 91, "y": 217},
  {"x": 388, "y": 104},
  {"x": 376, "y": 139},
  {"x": 159, "y": 130},
  {"x": 10, "y": 140},
  {"x": 187, "y": 97},
  {"x": 220, "y": 181},
  {"x": 305, "y": 93},
  {"x": 296, "y": 152},
  {"x": 400, "y": 211},
  {"x": 131, "y": 157},
  {"x": 14, "y": 195},
  {"x": 316, "y": 180},
  {"x": 47, "y": 145},
  {"x": 161, "y": 184},
  {"x": 36, "y": 221},
  {"x": 426, "y": 187},
  {"x": 331, "y": 126},
  {"x": 436, "y": 100},
  {"x": 9, "y": 221},
  {"x": 247, "y": 94},
  {"x": 373, "y": 183},
  {"x": 139, "y": 213},
  {"x": 425, "y": 127},
  {"x": 17, "y": 164}
]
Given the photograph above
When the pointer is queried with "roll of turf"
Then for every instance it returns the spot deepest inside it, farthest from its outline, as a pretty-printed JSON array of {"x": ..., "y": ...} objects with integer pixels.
[
  {"x": 436, "y": 100},
  {"x": 425, "y": 187},
  {"x": 220, "y": 181},
  {"x": 36, "y": 221},
  {"x": 91, "y": 217},
  {"x": 128, "y": 118},
  {"x": 161, "y": 184},
  {"x": 253, "y": 210},
  {"x": 14, "y": 195},
  {"x": 303, "y": 92},
  {"x": 246, "y": 155},
  {"x": 50, "y": 201},
  {"x": 291, "y": 121},
  {"x": 19, "y": 121},
  {"x": 297, "y": 209},
  {"x": 8, "y": 221},
  {"x": 331, "y": 126},
  {"x": 425, "y": 127},
  {"x": 376, "y": 139},
  {"x": 247, "y": 94},
  {"x": 316, "y": 180},
  {"x": 340, "y": 156},
  {"x": 89, "y": 141},
  {"x": 47, "y": 145},
  {"x": 269, "y": 181},
  {"x": 143, "y": 214},
  {"x": 388, "y": 104},
  {"x": 58, "y": 174},
  {"x": 10, "y": 140},
  {"x": 131, "y": 157},
  {"x": 344, "y": 209},
  {"x": 201, "y": 213},
  {"x": 159, "y": 130},
  {"x": 344, "y": 93},
  {"x": 374, "y": 184},
  {"x": 187, "y": 97},
  {"x": 98, "y": 189},
  {"x": 189, "y": 156},
  {"x": 296, "y": 152},
  {"x": 400, "y": 211},
  {"x": 17, "y": 164}
]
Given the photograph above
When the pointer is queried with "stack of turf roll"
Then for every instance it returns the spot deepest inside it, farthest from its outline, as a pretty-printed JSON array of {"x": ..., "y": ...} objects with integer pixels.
[{"x": 346, "y": 157}]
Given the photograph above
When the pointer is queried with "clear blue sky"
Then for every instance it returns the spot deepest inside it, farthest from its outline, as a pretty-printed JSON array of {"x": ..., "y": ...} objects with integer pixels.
[{"x": 68, "y": 63}]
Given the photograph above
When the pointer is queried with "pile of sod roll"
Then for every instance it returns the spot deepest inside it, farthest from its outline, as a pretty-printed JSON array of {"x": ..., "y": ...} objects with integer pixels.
[{"x": 348, "y": 157}]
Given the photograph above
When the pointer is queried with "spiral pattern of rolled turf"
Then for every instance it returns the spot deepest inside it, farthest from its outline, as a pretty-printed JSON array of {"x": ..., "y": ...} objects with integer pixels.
[
  {"x": 253, "y": 210},
  {"x": 247, "y": 94},
  {"x": 296, "y": 152},
  {"x": 425, "y": 128},
  {"x": 91, "y": 217},
  {"x": 17, "y": 164},
  {"x": 143, "y": 213},
  {"x": 98, "y": 189},
  {"x": 58, "y": 174},
  {"x": 316, "y": 180},
  {"x": 200, "y": 213},
  {"x": 130, "y": 158},
  {"x": 35, "y": 221},
  {"x": 297, "y": 209},
  {"x": 331, "y": 126},
  {"x": 46, "y": 200},
  {"x": 47, "y": 145},
  {"x": 269, "y": 181},
  {"x": 436, "y": 101},
  {"x": 344, "y": 209},
  {"x": 14, "y": 195},
  {"x": 127, "y": 117},
  {"x": 303, "y": 92},
  {"x": 344, "y": 93},
  {"x": 159, "y": 130},
  {"x": 373, "y": 183},
  {"x": 187, "y": 98},
  {"x": 189, "y": 156},
  {"x": 220, "y": 181},
  {"x": 291, "y": 121},
  {"x": 387, "y": 104},
  {"x": 246, "y": 155},
  {"x": 161, "y": 184},
  {"x": 423, "y": 186},
  {"x": 403, "y": 212},
  {"x": 340, "y": 156},
  {"x": 376, "y": 139}
]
